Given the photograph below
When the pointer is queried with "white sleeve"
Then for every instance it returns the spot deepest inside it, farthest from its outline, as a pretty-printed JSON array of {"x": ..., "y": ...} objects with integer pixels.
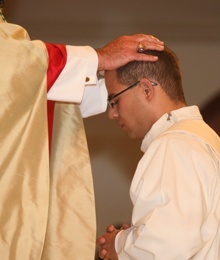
[
  {"x": 94, "y": 99},
  {"x": 175, "y": 192},
  {"x": 78, "y": 82}
]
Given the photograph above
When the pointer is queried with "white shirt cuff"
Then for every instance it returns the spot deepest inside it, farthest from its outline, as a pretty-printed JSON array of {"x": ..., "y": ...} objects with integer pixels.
[{"x": 80, "y": 70}]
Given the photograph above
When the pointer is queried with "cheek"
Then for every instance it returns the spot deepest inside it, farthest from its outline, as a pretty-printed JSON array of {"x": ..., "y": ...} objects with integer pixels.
[
  {"x": 138, "y": 123},
  {"x": 128, "y": 112},
  {"x": 129, "y": 121},
  {"x": 125, "y": 113}
]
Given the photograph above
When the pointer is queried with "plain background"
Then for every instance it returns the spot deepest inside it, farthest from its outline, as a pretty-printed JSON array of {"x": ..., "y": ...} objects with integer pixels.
[{"x": 190, "y": 28}]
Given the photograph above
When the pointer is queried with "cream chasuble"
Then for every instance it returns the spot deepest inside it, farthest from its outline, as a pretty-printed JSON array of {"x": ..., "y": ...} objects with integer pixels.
[{"x": 46, "y": 212}]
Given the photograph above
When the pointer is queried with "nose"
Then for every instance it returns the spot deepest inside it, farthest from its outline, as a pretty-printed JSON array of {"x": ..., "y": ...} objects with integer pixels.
[{"x": 112, "y": 113}]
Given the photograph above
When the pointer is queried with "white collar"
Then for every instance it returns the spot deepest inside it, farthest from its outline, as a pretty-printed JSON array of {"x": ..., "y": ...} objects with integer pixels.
[{"x": 167, "y": 120}]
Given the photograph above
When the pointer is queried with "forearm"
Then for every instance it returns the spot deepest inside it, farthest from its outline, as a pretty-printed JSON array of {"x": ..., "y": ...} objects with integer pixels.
[{"x": 78, "y": 82}]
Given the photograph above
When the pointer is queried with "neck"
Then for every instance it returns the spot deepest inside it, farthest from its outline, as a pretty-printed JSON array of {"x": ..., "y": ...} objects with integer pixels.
[{"x": 167, "y": 106}]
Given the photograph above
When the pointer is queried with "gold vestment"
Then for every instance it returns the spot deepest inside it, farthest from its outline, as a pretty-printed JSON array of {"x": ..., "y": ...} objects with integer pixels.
[{"x": 47, "y": 206}]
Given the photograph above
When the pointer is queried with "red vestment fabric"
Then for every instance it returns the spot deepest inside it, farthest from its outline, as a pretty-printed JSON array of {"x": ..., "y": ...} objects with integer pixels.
[{"x": 57, "y": 61}]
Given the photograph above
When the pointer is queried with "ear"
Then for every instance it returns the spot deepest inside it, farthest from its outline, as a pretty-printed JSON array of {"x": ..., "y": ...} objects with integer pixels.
[{"x": 147, "y": 88}]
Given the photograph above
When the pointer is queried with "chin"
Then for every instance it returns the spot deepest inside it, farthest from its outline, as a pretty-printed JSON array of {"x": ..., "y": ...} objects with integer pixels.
[{"x": 132, "y": 135}]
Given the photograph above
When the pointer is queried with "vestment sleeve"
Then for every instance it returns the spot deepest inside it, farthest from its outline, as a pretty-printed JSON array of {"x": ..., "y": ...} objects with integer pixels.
[
  {"x": 174, "y": 189},
  {"x": 77, "y": 82}
]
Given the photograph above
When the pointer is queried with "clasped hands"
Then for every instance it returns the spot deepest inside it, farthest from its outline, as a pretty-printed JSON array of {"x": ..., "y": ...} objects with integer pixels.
[{"x": 106, "y": 242}]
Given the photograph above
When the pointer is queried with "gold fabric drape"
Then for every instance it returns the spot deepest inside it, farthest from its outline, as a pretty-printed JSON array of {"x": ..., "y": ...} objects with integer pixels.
[
  {"x": 71, "y": 190},
  {"x": 44, "y": 214},
  {"x": 24, "y": 163}
]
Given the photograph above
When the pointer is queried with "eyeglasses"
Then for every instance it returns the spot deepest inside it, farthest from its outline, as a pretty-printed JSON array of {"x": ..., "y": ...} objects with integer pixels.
[{"x": 110, "y": 100}]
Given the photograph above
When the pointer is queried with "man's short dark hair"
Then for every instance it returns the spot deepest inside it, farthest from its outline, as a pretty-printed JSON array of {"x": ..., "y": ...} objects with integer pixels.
[{"x": 166, "y": 71}]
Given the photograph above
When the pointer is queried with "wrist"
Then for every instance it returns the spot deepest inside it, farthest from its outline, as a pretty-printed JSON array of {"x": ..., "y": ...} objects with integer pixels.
[{"x": 101, "y": 60}]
